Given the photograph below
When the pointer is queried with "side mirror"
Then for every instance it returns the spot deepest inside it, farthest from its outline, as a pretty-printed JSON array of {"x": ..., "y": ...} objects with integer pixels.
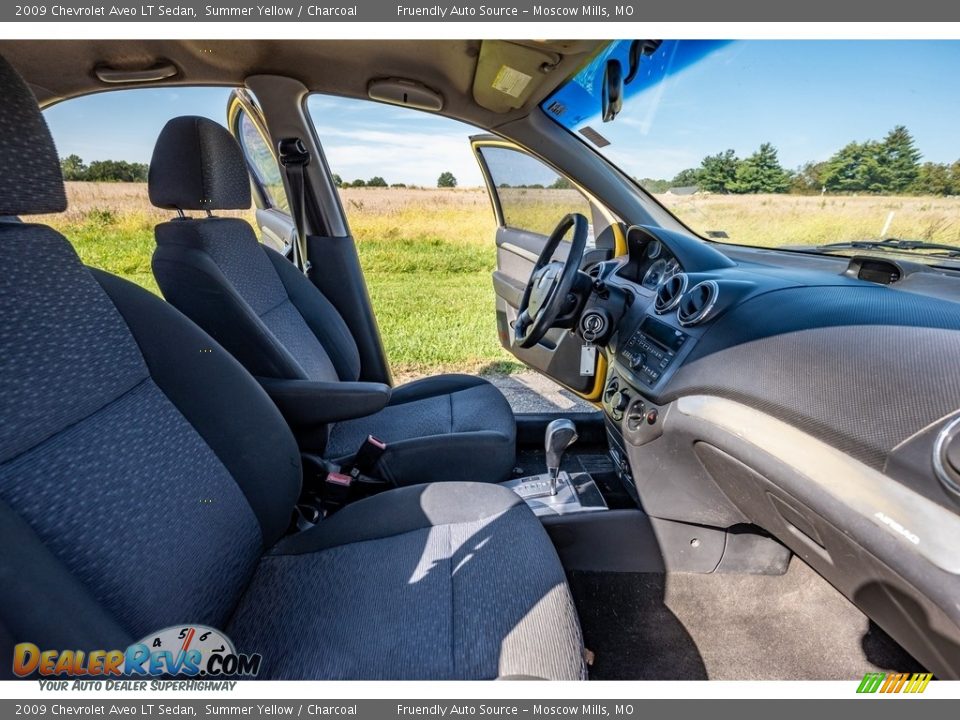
[{"x": 612, "y": 90}]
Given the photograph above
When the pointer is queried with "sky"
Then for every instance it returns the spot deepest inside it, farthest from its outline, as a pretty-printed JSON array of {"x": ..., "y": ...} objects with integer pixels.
[
  {"x": 360, "y": 138},
  {"x": 807, "y": 98}
]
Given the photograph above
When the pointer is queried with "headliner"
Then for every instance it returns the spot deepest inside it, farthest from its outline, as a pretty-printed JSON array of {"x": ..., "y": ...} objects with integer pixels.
[{"x": 60, "y": 69}]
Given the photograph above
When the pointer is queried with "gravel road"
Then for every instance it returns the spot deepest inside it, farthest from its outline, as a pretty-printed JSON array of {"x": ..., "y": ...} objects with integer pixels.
[{"x": 531, "y": 392}]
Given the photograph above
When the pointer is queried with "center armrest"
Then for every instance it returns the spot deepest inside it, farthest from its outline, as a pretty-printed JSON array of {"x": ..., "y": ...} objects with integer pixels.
[{"x": 305, "y": 403}]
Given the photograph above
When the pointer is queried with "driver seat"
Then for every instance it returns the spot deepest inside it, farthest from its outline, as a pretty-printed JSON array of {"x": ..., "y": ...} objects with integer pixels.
[{"x": 269, "y": 316}]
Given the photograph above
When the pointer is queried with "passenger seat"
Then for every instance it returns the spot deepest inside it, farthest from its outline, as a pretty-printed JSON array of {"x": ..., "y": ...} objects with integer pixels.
[{"x": 256, "y": 304}]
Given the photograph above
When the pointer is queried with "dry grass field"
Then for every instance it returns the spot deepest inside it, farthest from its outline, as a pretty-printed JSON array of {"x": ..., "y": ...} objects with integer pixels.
[
  {"x": 775, "y": 220},
  {"x": 463, "y": 216},
  {"x": 428, "y": 254}
]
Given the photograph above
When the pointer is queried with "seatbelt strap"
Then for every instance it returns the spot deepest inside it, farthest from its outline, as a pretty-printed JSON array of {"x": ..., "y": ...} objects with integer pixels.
[{"x": 294, "y": 157}]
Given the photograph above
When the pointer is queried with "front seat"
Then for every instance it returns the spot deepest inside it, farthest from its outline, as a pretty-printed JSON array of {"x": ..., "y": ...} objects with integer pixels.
[
  {"x": 147, "y": 480},
  {"x": 256, "y": 304}
]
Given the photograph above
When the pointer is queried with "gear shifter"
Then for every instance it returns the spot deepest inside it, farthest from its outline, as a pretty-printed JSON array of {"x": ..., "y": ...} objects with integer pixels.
[{"x": 560, "y": 435}]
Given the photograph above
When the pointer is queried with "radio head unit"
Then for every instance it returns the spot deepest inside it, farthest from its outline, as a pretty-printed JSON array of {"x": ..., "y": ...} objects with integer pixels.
[{"x": 651, "y": 349}]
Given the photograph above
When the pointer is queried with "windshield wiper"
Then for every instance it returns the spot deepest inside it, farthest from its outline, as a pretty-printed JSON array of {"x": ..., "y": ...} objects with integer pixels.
[{"x": 895, "y": 244}]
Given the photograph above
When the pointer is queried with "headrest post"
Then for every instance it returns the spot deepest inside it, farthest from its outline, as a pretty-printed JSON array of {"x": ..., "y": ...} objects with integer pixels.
[{"x": 180, "y": 214}]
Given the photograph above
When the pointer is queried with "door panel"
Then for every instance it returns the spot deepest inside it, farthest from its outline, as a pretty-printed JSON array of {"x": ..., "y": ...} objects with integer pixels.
[
  {"x": 277, "y": 229},
  {"x": 558, "y": 353},
  {"x": 527, "y": 191}
]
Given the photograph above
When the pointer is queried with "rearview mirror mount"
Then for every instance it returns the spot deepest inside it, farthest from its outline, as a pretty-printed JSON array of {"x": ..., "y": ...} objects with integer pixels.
[{"x": 612, "y": 90}]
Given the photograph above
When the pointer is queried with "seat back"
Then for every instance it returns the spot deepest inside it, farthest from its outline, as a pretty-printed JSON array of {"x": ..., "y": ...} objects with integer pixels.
[
  {"x": 142, "y": 470},
  {"x": 213, "y": 269}
]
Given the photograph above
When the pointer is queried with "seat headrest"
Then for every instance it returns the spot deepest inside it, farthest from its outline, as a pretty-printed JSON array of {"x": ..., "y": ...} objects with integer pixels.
[
  {"x": 31, "y": 182},
  {"x": 197, "y": 165}
]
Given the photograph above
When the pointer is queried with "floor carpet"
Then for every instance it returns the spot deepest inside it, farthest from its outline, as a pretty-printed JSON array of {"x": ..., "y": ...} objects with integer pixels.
[{"x": 728, "y": 627}]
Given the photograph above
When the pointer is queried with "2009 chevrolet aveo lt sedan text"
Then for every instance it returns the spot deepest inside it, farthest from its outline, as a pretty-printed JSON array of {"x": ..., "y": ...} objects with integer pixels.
[{"x": 226, "y": 482}]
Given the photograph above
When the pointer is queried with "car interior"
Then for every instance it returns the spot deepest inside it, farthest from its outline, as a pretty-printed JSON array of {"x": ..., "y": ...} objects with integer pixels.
[{"x": 766, "y": 485}]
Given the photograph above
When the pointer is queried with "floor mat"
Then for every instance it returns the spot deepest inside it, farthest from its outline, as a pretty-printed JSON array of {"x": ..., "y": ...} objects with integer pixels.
[{"x": 728, "y": 627}]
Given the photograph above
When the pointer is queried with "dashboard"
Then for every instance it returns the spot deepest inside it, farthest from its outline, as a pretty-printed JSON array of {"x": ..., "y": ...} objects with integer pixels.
[{"x": 816, "y": 397}]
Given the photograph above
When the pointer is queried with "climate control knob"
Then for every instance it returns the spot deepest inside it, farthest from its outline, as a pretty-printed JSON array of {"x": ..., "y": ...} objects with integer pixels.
[{"x": 618, "y": 403}]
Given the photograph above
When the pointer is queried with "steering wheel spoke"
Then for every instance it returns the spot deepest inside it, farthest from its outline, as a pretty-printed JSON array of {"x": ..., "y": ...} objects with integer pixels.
[{"x": 550, "y": 282}]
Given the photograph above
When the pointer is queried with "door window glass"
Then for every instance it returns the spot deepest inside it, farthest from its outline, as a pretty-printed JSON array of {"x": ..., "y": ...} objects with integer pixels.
[
  {"x": 265, "y": 167},
  {"x": 532, "y": 196}
]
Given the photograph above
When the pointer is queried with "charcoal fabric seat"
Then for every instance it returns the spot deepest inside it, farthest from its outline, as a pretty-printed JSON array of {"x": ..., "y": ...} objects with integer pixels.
[
  {"x": 256, "y": 304},
  {"x": 147, "y": 480}
]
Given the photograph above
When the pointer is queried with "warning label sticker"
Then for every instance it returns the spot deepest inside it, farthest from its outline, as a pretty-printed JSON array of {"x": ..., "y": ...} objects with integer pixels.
[{"x": 510, "y": 81}]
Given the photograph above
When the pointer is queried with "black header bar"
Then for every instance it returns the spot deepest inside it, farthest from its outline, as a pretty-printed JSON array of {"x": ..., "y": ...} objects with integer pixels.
[{"x": 742, "y": 11}]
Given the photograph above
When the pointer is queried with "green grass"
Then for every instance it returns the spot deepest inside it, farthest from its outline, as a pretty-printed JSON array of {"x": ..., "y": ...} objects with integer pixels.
[
  {"x": 434, "y": 302},
  {"x": 116, "y": 247},
  {"x": 436, "y": 321},
  {"x": 400, "y": 256}
]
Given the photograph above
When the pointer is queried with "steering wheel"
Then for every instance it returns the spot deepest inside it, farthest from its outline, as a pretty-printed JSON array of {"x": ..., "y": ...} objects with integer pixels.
[{"x": 550, "y": 282}]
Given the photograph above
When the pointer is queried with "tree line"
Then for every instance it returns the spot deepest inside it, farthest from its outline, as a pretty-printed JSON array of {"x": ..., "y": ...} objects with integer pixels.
[
  {"x": 891, "y": 166},
  {"x": 74, "y": 168},
  {"x": 446, "y": 180}
]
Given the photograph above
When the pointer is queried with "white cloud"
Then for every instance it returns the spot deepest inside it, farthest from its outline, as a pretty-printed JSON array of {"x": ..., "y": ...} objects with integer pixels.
[{"x": 412, "y": 157}]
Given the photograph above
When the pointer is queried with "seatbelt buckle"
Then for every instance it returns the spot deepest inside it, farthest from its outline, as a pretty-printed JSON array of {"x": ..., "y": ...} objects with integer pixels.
[
  {"x": 368, "y": 456},
  {"x": 337, "y": 490},
  {"x": 339, "y": 479}
]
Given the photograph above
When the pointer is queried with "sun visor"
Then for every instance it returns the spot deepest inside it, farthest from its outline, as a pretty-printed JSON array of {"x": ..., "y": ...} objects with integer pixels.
[{"x": 507, "y": 74}]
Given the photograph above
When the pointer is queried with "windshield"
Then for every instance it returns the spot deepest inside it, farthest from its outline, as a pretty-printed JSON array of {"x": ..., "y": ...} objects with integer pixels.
[{"x": 781, "y": 143}]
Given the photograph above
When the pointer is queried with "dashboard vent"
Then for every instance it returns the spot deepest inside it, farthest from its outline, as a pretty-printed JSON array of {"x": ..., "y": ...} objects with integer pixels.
[
  {"x": 698, "y": 302},
  {"x": 670, "y": 292}
]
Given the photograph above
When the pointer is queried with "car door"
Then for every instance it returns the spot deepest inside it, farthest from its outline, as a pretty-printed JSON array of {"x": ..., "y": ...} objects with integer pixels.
[
  {"x": 274, "y": 222},
  {"x": 529, "y": 198}
]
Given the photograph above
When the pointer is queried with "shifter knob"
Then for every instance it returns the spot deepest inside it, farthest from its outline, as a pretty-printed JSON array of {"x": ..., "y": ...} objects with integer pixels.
[{"x": 560, "y": 435}]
